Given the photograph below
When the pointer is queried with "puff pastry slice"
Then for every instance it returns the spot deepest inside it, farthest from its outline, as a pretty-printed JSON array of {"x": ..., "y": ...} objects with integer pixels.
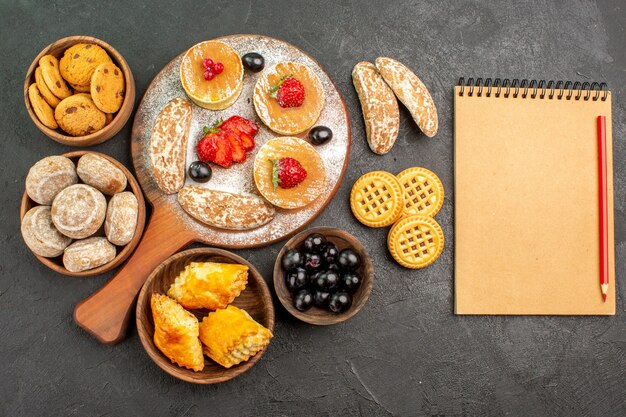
[
  {"x": 209, "y": 285},
  {"x": 176, "y": 333},
  {"x": 230, "y": 336}
]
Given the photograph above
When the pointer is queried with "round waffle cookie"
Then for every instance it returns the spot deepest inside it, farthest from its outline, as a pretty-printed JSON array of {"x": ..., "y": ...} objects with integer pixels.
[
  {"x": 423, "y": 192},
  {"x": 415, "y": 241},
  {"x": 376, "y": 199}
]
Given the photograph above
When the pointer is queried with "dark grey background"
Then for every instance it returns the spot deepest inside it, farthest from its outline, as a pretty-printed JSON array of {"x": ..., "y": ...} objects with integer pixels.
[{"x": 405, "y": 353}]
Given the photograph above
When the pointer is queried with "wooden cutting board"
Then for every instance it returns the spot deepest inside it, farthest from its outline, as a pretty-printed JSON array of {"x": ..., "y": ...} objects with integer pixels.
[{"x": 105, "y": 314}]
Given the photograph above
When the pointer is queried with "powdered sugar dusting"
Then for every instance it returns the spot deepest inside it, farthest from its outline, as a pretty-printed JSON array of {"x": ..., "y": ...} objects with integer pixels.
[{"x": 239, "y": 177}]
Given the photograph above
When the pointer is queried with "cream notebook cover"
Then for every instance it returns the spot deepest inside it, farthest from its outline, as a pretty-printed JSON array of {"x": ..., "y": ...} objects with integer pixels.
[{"x": 526, "y": 199}]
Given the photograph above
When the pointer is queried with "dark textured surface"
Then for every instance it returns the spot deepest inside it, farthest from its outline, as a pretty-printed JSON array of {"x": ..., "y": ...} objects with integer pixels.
[{"x": 405, "y": 353}]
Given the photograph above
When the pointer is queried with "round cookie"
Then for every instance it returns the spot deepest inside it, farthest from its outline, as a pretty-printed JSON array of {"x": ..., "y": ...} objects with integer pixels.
[
  {"x": 423, "y": 191},
  {"x": 50, "y": 98},
  {"x": 52, "y": 76},
  {"x": 78, "y": 211},
  {"x": 101, "y": 174},
  {"x": 107, "y": 87},
  {"x": 48, "y": 177},
  {"x": 88, "y": 254},
  {"x": 415, "y": 241},
  {"x": 79, "y": 116},
  {"x": 42, "y": 109},
  {"x": 40, "y": 235},
  {"x": 121, "y": 218},
  {"x": 376, "y": 199},
  {"x": 80, "y": 61}
]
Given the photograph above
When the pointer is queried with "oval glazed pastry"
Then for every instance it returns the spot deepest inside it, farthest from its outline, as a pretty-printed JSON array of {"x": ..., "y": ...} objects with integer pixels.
[
  {"x": 288, "y": 118},
  {"x": 412, "y": 92},
  {"x": 78, "y": 211},
  {"x": 101, "y": 174},
  {"x": 307, "y": 157},
  {"x": 121, "y": 218},
  {"x": 40, "y": 235},
  {"x": 86, "y": 254},
  {"x": 168, "y": 144},
  {"x": 379, "y": 106},
  {"x": 48, "y": 177},
  {"x": 225, "y": 210}
]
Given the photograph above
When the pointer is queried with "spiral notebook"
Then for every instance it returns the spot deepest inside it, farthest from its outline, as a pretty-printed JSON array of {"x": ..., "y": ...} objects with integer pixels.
[{"x": 526, "y": 197}]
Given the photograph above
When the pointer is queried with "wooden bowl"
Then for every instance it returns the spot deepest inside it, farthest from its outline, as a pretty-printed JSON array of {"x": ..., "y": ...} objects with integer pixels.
[
  {"x": 121, "y": 117},
  {"x": 56, "y": 264},
  {"x": 316, "y": 315},
  {"x": 255, "y": 299}
]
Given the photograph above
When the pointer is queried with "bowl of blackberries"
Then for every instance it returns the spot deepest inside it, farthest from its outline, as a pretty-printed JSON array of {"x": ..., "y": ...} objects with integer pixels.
[{"x": 323, "y": 276}]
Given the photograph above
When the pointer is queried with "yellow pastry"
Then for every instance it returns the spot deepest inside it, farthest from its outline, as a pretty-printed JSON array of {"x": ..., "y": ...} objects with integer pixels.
[
  {"x": 376, "y": 199},
  {"x": 423, "y": 191},
  {"x": 230, "y": 336},
  {"x": 288, "y": 120},
  {"x": 415, "y": 241},
  {"x": 309, "y": 159},
  {"x": 209, "y": 285},
  {"x": 176, "y": 333},
  {"x": 224, "y": 88}
]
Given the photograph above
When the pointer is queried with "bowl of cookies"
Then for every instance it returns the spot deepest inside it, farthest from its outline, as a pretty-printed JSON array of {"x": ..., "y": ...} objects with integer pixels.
[
  {"x": 82, "y": 213},
  {"x": 323, "y": 276},
  {"x": 79, "y": 91},
  {"x": 205, "y": 315}
]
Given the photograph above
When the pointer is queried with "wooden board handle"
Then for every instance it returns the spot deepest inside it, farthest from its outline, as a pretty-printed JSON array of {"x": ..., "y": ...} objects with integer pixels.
[{"x": 106, "y": 312}]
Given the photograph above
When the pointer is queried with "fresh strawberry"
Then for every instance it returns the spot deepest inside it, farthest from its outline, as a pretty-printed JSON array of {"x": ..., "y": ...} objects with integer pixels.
[
  {"x": 207, "y": 148},
  {"x": 224, "y": 155},
  {"x": 287, "y": 173},
  {"x": 289, "y": 92},
  {"x": 247, "y": 141},
  {"x": 239, "y": 124},
  {"x": 239, "y": 153}
]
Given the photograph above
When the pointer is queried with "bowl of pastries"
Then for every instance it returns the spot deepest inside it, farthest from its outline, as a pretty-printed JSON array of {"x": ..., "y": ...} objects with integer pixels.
[
  {"x": 205, "y": 315},
  {"x": 82, "y": 213},
  {"x": 79, "y": 91}
]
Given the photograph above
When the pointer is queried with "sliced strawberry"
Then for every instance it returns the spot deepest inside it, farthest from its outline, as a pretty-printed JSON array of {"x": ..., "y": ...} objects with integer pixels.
[
  {"x": 224, "y": 154},
  {"x": 239, "y": 124},
  {"x": 207, "y": 148},
  {"x": 239, "y": 153},
  {"x": 247, "y": 141}
]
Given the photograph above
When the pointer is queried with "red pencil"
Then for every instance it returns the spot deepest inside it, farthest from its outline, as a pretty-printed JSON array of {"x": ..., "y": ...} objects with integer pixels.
[{"x": 604, "y": 237}]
